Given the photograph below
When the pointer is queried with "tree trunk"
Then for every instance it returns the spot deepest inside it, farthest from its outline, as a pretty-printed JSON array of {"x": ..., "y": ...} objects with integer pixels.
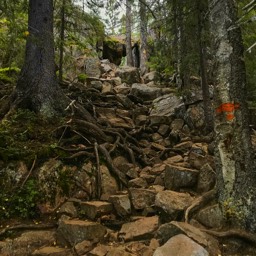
[
  {"x": 37, "y": 88},
  {"x": 128, "y": 34},
  {"x": 143, "y": 38},
  {"x": 235, "y": 173},
  {"x": 208, "y": 111},
  {"x": 62, "y": 35}
]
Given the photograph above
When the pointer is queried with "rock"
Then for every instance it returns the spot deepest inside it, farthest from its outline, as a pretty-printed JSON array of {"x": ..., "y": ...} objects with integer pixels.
[
  {"x": 69, "y": 209},
  {"x": 142, "y": 198},
  {"x": 157, "y": 169},
  {"x": 92, "y": 67},
  {"x": 109, "y": 185},
  {"x": 144, "y": 92},
  {"x": 143, "y": 228},
  {"x": 197, "y": 161},
  {"x": 174, "y": 228},
  {"x": 174, "y": 160},
  {"x": 116, "y": 117},
  {"x": 119, "y": 252},
  {"x": 172, "y": 203},
  {"x": 76, "y": 231},
  {"x": 195, "y": 116},
  {"x": 163, "y": 129},
  {"x": 211, "y": 216},
  {"x": 180, "y": 245},
  {"x": 95, "y": 209},
  {"x": 151, "y": 76},
  {"x": 113, "y": 50},
  {"x": 99, "y": 250},
  {"x": 122, "y": 89},
  {"x": 184, "y": 146},
  {"x": 122, "y": 204},
  {"x": 129, "y": 75},
  {"x": 106, "y": 87},
  {"x": 83, "y": 247},
  {"x": 137, "y": 183},
  {"x": 28, "y": 242},
  {"x": 48, "y": 179},
  {"x": 167, "y": 105},
  {"x": 52, "y": 251},
  {"x": 141, "y": 120},
  {"x": 177, "y": 125},
  {"x": 177, "y": 177},
  {"x": 98, "y": 85},
  {"x": 206, "y": 179}
]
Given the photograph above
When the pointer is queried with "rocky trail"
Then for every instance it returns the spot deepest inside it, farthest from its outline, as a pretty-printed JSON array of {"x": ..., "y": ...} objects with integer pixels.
[{"x": 139, "y": 175}]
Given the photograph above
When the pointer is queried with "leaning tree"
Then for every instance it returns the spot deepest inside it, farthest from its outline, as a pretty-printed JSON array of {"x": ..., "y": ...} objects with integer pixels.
[
  {"x": 235, "y": 167},
  {"x": 37, "y": 88}
]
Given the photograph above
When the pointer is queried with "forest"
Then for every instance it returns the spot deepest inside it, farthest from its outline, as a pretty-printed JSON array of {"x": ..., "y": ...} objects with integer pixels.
[{"x": 127, "y": 127}]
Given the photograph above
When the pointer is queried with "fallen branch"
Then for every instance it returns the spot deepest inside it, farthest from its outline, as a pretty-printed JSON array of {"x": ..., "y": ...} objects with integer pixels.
[{"x": 29, "y": 173}]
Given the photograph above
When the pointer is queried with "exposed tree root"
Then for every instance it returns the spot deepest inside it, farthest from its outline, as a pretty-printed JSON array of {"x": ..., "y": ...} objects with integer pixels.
[
  {"x": 121, "y": 176},
  {"x": 232, "y": 233},
  {"x": 28, "y": 227},
  {"x": 199, "y": 202}
]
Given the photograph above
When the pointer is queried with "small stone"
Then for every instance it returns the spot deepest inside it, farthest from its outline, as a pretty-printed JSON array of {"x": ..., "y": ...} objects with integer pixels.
[
  {"x": 141, "y": 229},
  {"x": 138, "y": 183},
  {"x": 83, "y": 247},
  {"x": 95, "y": 209},
  {"x": 142, "y": 198},
  {"x": 121, "y": 204},
  {"x": 69, "y": 209},
  {"x": 52, "y": 251},
  {"x": 180, "y": 245}
]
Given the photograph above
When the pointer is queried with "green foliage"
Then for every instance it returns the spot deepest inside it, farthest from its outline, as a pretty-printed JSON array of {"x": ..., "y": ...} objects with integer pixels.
[
  {"x": 9, "y": 75},
  {"x": 22, "y": 203},
  {"x": 23, "y": 135},
  {"x": 82, "y": 78}
]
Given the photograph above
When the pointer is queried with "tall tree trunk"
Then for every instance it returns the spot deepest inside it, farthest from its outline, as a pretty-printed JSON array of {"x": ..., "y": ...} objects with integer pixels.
[
  {"x": 235, "y": 169},
  {"x": 128, "y": 34},
  {"x": 62, "y": 35},
  {"x": 37, "y": 88},
  {"x": 208, "y": 110},
  {"x": 143, "y": 38}
]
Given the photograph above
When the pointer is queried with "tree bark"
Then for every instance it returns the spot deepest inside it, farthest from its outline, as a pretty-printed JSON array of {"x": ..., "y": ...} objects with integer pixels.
[
  {"x": 62, "y": 35},
  {"x": 143, "y": 38},
  {"x": 128, "y": 34},
  {"x": 235, "y": 168},
  {"x": 208, "y": 110},
  {"x": 37, "y": 88}
]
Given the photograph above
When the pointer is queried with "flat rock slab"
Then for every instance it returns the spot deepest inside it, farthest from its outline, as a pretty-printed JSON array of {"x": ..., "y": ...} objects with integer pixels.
[
  {"x": 177, "y": 177},
  {"x": 143, "y": 228},
  {"x": 142, "y": 198},
  {"x": 172, "y": 202},
  {"x": 27, "y": 243},
  {"x": 76, "y": 231},
  {"x": 174, "y": 228},
  {"x": 52, "y": 251},
  {"x": 122, "y": 204},
  {"x": 95, "y": 209},
  {"x": 180, "y": 245}
]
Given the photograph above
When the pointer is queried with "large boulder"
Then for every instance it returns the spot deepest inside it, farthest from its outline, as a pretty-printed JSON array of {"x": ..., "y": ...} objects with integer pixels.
[
  {"x": 144, "y": 92},
  {"x": 128, "y": 75},
  {"x": 113, "y": 50},
  {"x": 92, "y": 67}
]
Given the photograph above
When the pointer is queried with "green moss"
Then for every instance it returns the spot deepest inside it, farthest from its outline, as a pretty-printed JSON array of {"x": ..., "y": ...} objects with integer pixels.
[
  {"x": 9, "y": 75},
  {"x": 82, "y": 78},
  {"x": 25, "y": 135}
]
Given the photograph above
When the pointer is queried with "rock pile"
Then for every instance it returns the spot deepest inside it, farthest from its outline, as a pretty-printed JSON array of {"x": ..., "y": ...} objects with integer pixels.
[{"x": 145, "y": 206}]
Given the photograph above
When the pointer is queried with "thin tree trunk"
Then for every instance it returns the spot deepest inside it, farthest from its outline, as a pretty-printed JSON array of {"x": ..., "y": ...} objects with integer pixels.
[
  {"x": 208, "y": 110},
  {"x": 128, "y": 34},
  {"x": 235, "y": 169},
  {"x": 143, "y": 38},
  {"x": 62, "y": 34}
]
